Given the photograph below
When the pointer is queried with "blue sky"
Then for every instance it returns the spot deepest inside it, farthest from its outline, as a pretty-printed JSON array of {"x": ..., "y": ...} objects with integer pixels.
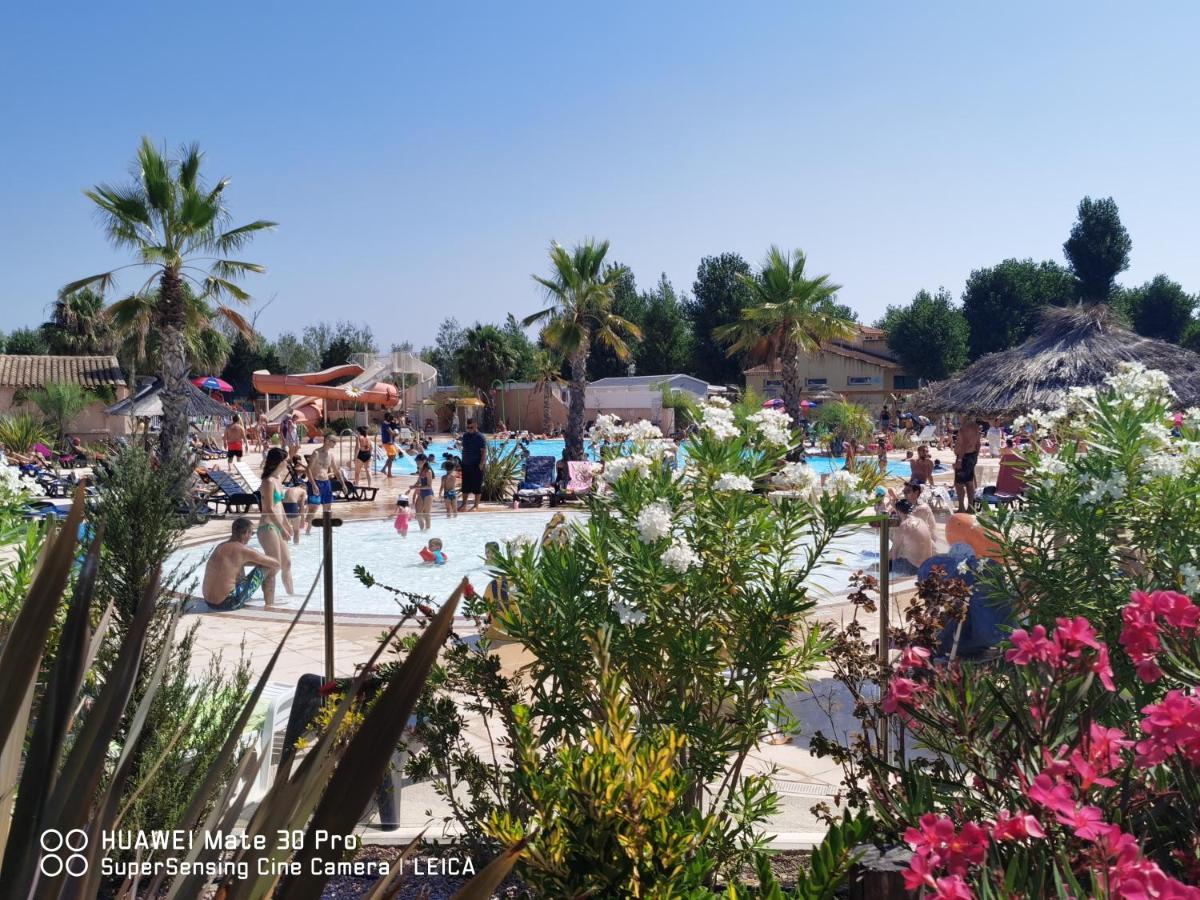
[{"x": 420, "y": 157}]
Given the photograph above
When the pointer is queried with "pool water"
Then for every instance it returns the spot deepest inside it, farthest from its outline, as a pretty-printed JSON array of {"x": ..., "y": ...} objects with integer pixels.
[
  {"x": 394, "y": 560},
  {"x": 405, "y": 465}
]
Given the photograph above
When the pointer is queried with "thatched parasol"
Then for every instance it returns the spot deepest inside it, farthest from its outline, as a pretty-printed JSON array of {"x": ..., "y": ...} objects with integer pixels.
[
  {"x": 1077, "y": 346},
  {"x": 147, "y": 402}
]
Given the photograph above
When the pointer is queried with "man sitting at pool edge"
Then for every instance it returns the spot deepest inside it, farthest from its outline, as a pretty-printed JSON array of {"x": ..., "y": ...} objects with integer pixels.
[{"x": 225, "y": 586}]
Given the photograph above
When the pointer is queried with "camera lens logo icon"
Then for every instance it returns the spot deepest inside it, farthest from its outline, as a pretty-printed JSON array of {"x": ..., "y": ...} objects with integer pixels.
[{"x": 63, "y": 852}]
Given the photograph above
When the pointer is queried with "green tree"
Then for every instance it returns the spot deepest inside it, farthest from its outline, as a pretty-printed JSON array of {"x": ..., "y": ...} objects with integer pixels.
[
  {"x": 60, "y": 402},
  {"x": 175, "y": 226},
  {"x": 578, "y": 316},
  {"x": 333, "y": 345},
  {"x": 718, "y": 297},
  {"x": 666, "y": 346},
  {"x": 294, "y": 355},
  {"x": 1001, "y": 303},
  {"x": 78, "y": 325},
  {"x": 246, "y": 356},
  {"x": 441, "y": 354},
  {"x": 929, "y": 336},
  {"x": 790, "y": 314},
  {"x": 1098, "y": 248},
  {"x": 546, "y": 377},
  {"x": 1159, "y": 309},
  {"x": 485, "y": 356},
  {"x": 1190, "y": 340},
  {"x": 630, "y": 305},
  {"x": 26, "y": 342},
  {"x": 522, "y": 347}
]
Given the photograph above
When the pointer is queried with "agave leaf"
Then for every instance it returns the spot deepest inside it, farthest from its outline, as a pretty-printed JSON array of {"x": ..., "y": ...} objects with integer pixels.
[
  {"x": 388, "y": 885},
  {"x": 291, "y": 801},
  {"x": 22, "y": 654},
  {"x": 53, "y": 719},
  {"x": 10, "y": 766},
  {"x": 191, "y": 885},
  {"x": 483, "y": 885},
  {"x": 369, "y": 751}
]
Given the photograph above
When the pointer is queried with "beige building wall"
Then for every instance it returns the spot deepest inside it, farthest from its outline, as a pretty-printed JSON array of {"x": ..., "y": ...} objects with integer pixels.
[
  {"x": 93, "y": 424},
  {"x": 857, "y": 380}
]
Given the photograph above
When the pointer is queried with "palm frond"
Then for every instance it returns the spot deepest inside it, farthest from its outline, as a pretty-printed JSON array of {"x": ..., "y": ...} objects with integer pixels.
[
  {"x": 155, "y": 177},
  {"x": 240, "y": 323},
  {"x": 189, "y": 165},
  {"x": 232, "y": 268},
  {"x": 102, "y": 282},
  {"x": 215, "y": 286},
  {"x": 237, "y": 237}
]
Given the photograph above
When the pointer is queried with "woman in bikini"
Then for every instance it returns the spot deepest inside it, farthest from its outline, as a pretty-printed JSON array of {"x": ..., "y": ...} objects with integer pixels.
[
  {"x": 422, "y": 492},
  {"x": 295, "y": 506},
  {"x": 274, "y": 528},
  {"x": 362, "y": 456}
]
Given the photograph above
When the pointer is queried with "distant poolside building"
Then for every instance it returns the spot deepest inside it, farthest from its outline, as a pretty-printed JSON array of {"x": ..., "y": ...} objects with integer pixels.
[
  {"x": 862, "y": 369},
  {"x": 20, "y": 375}
]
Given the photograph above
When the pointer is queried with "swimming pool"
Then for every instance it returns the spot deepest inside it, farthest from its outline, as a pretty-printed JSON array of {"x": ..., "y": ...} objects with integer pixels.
[
  {"x": 405, "y": 465},
  {"x": 393, "y": 560}
]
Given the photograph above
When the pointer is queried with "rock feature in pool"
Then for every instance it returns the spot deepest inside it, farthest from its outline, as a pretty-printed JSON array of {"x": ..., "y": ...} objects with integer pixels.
[{"x": 395, "y": 561}]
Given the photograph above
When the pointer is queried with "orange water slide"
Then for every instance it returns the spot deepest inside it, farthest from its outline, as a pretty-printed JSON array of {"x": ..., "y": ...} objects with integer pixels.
[{"x": 313, "y": 384}]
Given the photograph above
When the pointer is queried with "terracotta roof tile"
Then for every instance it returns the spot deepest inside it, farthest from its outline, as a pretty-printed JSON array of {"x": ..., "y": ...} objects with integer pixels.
[{"x": 37, "y": 371}]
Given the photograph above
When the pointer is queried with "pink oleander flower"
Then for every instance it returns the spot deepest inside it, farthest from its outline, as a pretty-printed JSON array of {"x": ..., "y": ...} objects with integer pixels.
[
  {"x": 952, "y": 888},
  {"x": 1057, "y": 767},
  {"x": 920, "y": 873},
  {"x": 1131, "y": 876},
  {"x": 1105, "y": 747},
  {"x": 1016, "y": 827},
  {"x": 955, "y": 850},
  {"x": 1032, "y": 647},
  {"x": 1086, "y": 821},
  {"x": 1054, "y": 796},
  {"x": 1170, "y": 726},
  {"x": 914, "y": 657},
  {"x": 1102, "y": 666},
  {"x": 1141, "y": 634},
  {"x": 1087, "y": 773},
  {"x": 902, "y": 694},
  {"x": 1073, "y": 635}
]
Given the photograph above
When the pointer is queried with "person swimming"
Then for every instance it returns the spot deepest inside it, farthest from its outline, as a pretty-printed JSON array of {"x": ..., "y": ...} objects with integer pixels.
[{"x": 433, "y": 553}]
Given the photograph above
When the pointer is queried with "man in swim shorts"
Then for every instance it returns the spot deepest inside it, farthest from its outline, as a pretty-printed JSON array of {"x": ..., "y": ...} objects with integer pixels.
[
  {"x": 226, "y": 586},
  {"x": 235, "y": 439},
  {"x": 322, "y": 469},
  {"x": 966, "y": 455}
]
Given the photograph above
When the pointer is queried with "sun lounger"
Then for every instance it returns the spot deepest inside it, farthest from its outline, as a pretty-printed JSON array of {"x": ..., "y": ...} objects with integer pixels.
[
  {"x": 928, "y": 435},
  {"x": 231, "y": 493},
  {"x": 351, "y": 491},
  {"x": 538, "y": 484}
]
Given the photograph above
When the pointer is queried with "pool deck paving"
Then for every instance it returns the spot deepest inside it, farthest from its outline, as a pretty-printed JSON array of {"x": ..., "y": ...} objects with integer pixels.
[{"x": 801, "y": 778}]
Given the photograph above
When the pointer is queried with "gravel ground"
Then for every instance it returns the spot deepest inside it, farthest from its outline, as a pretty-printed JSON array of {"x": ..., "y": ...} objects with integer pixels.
[{"x": 424, "y": 881}]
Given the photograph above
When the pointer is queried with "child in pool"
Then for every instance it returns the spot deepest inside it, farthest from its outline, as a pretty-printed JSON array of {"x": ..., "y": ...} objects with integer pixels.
[
  {"x": 432, "y": 552},
  {"x": 402, "y": 517},
  {"x": 450, "y": 488}
]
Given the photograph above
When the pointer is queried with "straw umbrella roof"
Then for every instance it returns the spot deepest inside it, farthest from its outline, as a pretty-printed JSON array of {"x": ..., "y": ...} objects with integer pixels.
[
  {"x": 1077, "y": 346},
  {"x": 147, "y": 402}
]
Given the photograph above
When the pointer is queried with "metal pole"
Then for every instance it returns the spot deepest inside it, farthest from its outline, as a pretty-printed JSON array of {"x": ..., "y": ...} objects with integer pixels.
[
  {"x": 327, "y": 557},
  {"x": 884, "y": 615}
]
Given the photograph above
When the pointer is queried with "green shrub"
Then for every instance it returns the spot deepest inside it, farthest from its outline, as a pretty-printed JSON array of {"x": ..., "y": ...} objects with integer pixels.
[
  {"x": 19, "y": 431},
  {"x": 502, "y": 472}
]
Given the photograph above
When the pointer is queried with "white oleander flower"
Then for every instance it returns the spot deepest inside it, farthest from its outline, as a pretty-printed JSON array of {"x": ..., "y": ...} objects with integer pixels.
[
  {"x": 717, "y": 400},
  {"x": 1080, "y": 398},
  {"x": 1156, "y": 433},
  {"x": 628, "y": 615},
  {"x": 775, "y": 426},
  {"x": 843, "y": 481},
  {"x": 733, "y": 482},
  {"x": 1049, "y": 464},
  {"x": 606, "y": 429},
  {"x": 1137, "y": 384},
  {"x": 718, "y": 420},
  {"x": 1098, "y": 489},
  {"x": 1162, "y": 465},
  {"x": 796, "y": 475},
  {"x": 1191, "y": 416},
  {"x": 680, "y": 556},
  {"x": 643, "y": 431},
  {"x": 654, "y": 522},
  {"x": 963, "y": 567},
  {"x": 618, "y": 466},
  {"x": 1191, "y": 578}
]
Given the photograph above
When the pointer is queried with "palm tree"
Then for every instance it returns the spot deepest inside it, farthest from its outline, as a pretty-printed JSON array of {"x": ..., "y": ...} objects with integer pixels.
[
  {"x": 177, "y": 227},
  {"x": 78, "y": 326},
  {"x": 789, "y": 314},
  {"x": 547, "y": 375},
  {"x": 60, "y": 402},
  {"x": 485, "y": 356},
  {"x": 205, "y": 341},
  {"x": 578, "y": 314}
]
